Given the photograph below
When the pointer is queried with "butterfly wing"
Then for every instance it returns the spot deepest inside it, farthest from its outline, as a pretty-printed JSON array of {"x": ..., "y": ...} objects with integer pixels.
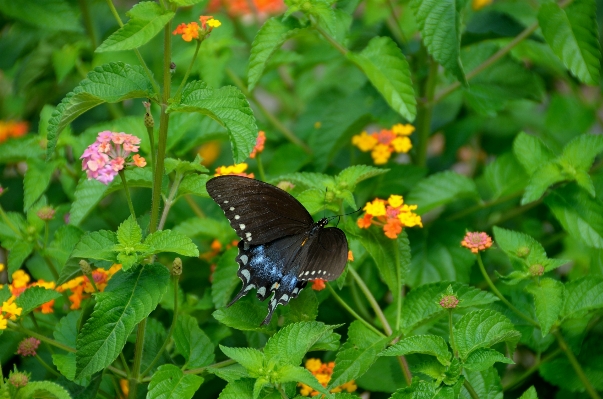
[
  {"x": 259, "y": 212},
  {"x": 325, "y": 257}
]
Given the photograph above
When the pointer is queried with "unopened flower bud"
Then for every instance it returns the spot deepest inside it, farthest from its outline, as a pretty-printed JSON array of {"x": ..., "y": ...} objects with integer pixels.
[
  {"x": 285, "y": 185},
  {"x": 28, "y": 347},
  {"x": 18, "y": 379},
  {"x": 537, "y": 270},
  {"x": 177, "y": 267},
  {"x": 85, "y": 267},
  {"x": 522, "y": 252},
  {"x": 449, "y": 302},
  {"x": 46, "y": 213},
  {"x": 148, "y": 117}
]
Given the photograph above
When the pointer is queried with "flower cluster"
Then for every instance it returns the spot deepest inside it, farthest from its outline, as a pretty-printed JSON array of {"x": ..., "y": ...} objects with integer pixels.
[
  {"x": 478, "y": 241},
  {"x": 384, "y": 143},
  {"x": 392, "y": 214},
  {"x": 259, "y": 144},
  {"x": 109, "y": 154},
  {"x": 236, "y": 169},
  {"x": 81, "y": 287},
  {"x": 192, "y": 30},
  {"x": 323, "y": 372},
  {"x": 28, "y": 347},
  {"x": 9, "y": 311},
  {"x": 12, "y": 129},
  {"x": 247, "y": 8}
]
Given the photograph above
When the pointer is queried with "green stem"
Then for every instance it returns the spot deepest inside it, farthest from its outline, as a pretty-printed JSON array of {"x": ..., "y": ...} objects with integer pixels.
[
  {"x": 8, "y": 222},
  {"x": 200, "y": 370},
  {"x": 352, "y": 312},
  {"x": 135, "y": 375},
  {"x": 45, "y": 234},
  {"x": 470, "y": 389},
  {"x": 373, "y": 302},
  {"x": 168, "y": 202},
  {"x": 88, "y": 23},
  {"x": 519, "y": 380},
  {"x": 47, "y": 367},
  {"x": 358, "y": 301},
  {"x": 500, "y": 296},
  {"x": 483, "y": 205},
  {"x": 282, "y": 392},
  {"x": 171, "y": 330},
  {"x": 576, "y": 366},
  {"x": 194, "y": 207},
  {"x": 258, "y": 157},
  {"x": 394, "y": 24},
  {"x": 124, "y": 363},
  {"x": 399, "y": 277},
  {"x": 425, "y": 113},
  {"x": 188, "y": 71},
  {"x": 15, "y": 327},
  {"x": 344, "y": 51},
  {"x": 450, "y": 331},
  {"x": 127, "y": 191},
  {"x": 152, "y": 143}
]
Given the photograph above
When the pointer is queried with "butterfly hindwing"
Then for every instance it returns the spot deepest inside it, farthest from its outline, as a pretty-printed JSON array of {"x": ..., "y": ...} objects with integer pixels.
[
  {"x": 259, "y": 212},
  {"x": 326, "y": 256}
]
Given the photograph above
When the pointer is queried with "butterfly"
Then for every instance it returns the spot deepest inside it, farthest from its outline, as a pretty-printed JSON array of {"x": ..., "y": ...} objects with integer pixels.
[{"x": 281, "y": 246}]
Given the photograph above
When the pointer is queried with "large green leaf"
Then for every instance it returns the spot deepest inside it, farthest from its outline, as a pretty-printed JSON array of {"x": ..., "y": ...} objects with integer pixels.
[
  {"x": 227, "y": 106},
  {"x": 583, "y": 295},
  {"x": 225, "y": 278},
  {"x": 171, "y": 241},
  {"x": 425, "y": 344},
  {"x": 440, "y": 189},
  {"x": 36, "y": 181},
  {"x": 531, "y": 152},
  {"x": 146, "y": 20},
  {"x": 169, "y": 382},
  {"x": 548, "y": 298},
  {"x": 192, "y": 343},
  {"x": 486, "y": 384},
  {"x": 96, "y": 245},
  {"x": 440, "y": 25},
  {"x": 33, "y": 297},
  {"x": 573, "y": 35},
  {"x": 127, "y": 300},
  {"x": 387, "y": 69},
  {"x": 291, "y": 343},
  {"x": 49, "y": 15},
  {"x": 109, "y": 83}
]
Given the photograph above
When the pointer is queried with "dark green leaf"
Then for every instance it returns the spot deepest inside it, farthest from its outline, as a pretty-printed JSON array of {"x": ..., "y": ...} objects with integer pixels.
[
  {"x": 425, "y": 344},
  {"x": 170, "y": 382},
  {"x": 96, "y": 245},
  {"x": 33, "y": 297},
  {"x": 441, "y": 189},
  {"x": 193, "y": 343},
  {"x": 291, "y": 343},
  {"x": 485, "y": 358}
]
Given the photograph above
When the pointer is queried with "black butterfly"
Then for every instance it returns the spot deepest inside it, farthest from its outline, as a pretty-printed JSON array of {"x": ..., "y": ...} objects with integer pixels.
[{"x": 281, "y": 246}]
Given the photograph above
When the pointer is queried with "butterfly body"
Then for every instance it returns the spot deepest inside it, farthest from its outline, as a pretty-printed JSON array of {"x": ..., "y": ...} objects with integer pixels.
[{"x": 281, "y": 246}]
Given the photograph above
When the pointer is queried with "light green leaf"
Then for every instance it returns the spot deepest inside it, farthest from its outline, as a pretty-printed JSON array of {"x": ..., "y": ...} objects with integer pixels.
[
  {"x": 582, "y": 295},
  {"x": 531, "y": 152},
  {"x": 319, "y": 181},
  {"x": 87, "y": 194},
  {"x": 289, "y": 373},
  {"x": 227, "y": 106},
  {"x": 129, "y": 232},
  {"x": 484, "y": 358},
  {"x": 146, "y": 20},
  {"x": 440, "y": 189},
  {"x": 241, "y": 389},
  {"x": 17, "y": 255},
  {"x": 171, "y": 241},
  {"x": 387, "y": 69},
  {"x": 185, "y": 167},
  {"x": 485, "y": 383},
  {"x": 250, "y": 358},
  {"x": 573, "y": 35},
  {"x": 418, "y": 390},
  {"x": 36, "y": 181},
  {"x": 33, "y": 297},
  {"x": 505, "y": 176},
  {"x": 36, "y": 389},
  {"x": 482, "y": 329},
  {"x": 207, "y": 228},
  {"x": 96, "y": 245},
  {"x": 243, "y": 315},
  {"x": 109, "y": 83},
  {"x": 440, "y": 24},
  {"x": 548, "y": 298},
  {"x": 127, "y": 300},
  {"x": 192, "y": 343},
  {"x": 426, "y": 344},
  {"x": 314, "y": 201},
  {"x": 269, "y": 38},
  {"x": 582, "y": 150},
  {"x": 529, "y": 394},
  {"x": 544, "y": 177},
  {"x": 50, "y": 15},
  {"x": 194, "y": 185},
  {"x": 230, "y": 373},
  {"x": 170, "y": 382},
  {"x": 351, "y": 176},
  {"x": 19, "y": 149},
  {"x": 64, "y": 240},
  {"x": 291, "y": 343},
  {"x": 225, "y": 278}
]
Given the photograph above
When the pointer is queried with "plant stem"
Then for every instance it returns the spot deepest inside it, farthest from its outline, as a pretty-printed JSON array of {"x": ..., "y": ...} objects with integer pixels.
[
  {"x": 188, "y": 71},
  {"x": 282, "y": 392},
  {"x": 470, "y": 389},
  {"x": 425, "y": 113},
  {"x": 170, "y": 331},
  {"x": 15, "y": 327},
  {"x": 170, "y": 200},
  {"x": 258, "y": 157},
  {"x": 127, "y": 191},
  {"x": 450, "y": 331},
  {"x": 500, "y": 296},
  {"x": 135, "y": 375},
  {"x": 88, "y": 23},
  {"x": 352, "y": 312},
  {"x": 531, "y": 370},
  {"x": 399, "y": 277},
  {"x": 195, "y": 208},
  {"x": 124, "y": 363},
  {"x": 483, "y": 205},
  {"x": 576, "y": 366},
  {"x": 369, "y": 296},
  {"x": 200, "y": 370},
  {"x": 47, "y": 367}
]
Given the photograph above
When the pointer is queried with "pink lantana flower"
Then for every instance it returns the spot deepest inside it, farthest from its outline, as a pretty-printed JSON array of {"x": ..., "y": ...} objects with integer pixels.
[{"x": 109, "y": 154}]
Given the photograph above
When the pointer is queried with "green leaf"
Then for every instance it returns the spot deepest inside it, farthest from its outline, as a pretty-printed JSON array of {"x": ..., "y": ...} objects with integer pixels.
[
  {"x": 87, "y": 194},
  {"x": 351, "y": 176},
  {"x": 33, "y": 297},
  {"x": 250, "y": 358},
  {"x": 17, "y": 255},
  {"x": 484, "y": 358},
  {"x": 482, "y": 329},
  {"x": 582, "y": 295},
  {"x": 127, "y": 300},
  {"x": 440, "y": 189},
  {"x": 227, "y": 106},
  {"x": 291, "y": 343},
  {"x": 548, "y": 298},
  {"x": 531, "y": 152},
  {"x": 192, "y": 343},
  {"x": 50, "y": 15},
  {"x": 485, "y": 383},
  {"x": 440, "y": 24},
  {"x": 544, "y": 177},
  {"x": 418, "y": 390},
  {"x": 194, "y": 185},
  {"x": 109, "y": 83},
  {"x": 314, "y": 201},
  {"x": 579, "y": 214},
  {"x": 184, "y": 167},
  {"x": 505, "y": 176},
  {"x": 38, "y": 389},
  {"x": 269, "y": 38},
  {"x": 580, "y": 153},
  {"x": 241, "y": 389},
  {"x": 207, "y": 228},
  {"x": 230, "y": 373},
  {"x": 170, "y": 382},
  {"x": 19, "y": 149},
  {"x": 36, "y": 181},
  {"x": 147, "y": 19},
  {"x": 129, "y": 232},
  {"x": 65, "y": 330},
  {"x": 529, "y": 394},
  {"x": 64, "y": 240},
  {"x": 225, "y": 278},
  {"x": 357, "y": 355},
  {"x": 421, "y": 304},
  {"x": 289, "y": 373},
  {"x": 304, "y": 309},
  {"x": 171, "y": 241},
  {"x": 573, "y": 35},
  {"x": 426, "y": 344},
  {"x": 96, "y": 245},
  {"x": 245, "y": 316},
  {"x": 387, "y": 69}
]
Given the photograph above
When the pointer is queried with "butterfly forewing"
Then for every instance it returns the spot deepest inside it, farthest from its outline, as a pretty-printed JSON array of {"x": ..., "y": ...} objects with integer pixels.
[{"x": 257, "y": 211}]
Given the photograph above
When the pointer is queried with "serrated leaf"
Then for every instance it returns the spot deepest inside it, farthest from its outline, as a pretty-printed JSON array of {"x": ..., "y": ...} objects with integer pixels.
[
  {"x": 548, "y": 299},
  {"x": 36, "y": 181},
  {"x": 351, "y": 176},
  {"x": 439, "y": 22},
  {"x": 17, "y": 255},
  {"x": 192, "y": 343},
  {"x": 505, "y": 176},
  {"x": 418, "y": 390},
  {"x": 426, "y": 344},
  {"x": 170, "y": 382},
  {"x": 230, "y": 373},
  {"x": 184, "y": 167},
  {"x": 250, "y": 358},
  {"x": 582, "y": 295},
  {"x": 289, "y": 373},
  {"x": 147, "y": 20},
  {"x": 64, "y": 240},
  {"x": 39, "y": 388},
  {"x": 544, "y": 177},
  {"x": 485, "y": 358},
  {"x": 269, "y": 38},
  {"x": 242, "y": 315},
  {"x": 225, "y": 278},
  {"x": 96, "y": 245},
  {"x": 582, "y": 150},
  {"x": 227, "y": 106},
  {"x": 129, "y": 232},
  {"x": 171, "y": 241},
  {"x": 421, "y": 304},
  {"x": 291, "y": 343},
  {"x": 441, "y": 189},
  {"x": 241, "y": 389},
  {"x": 529, "y": 394},
  {"x": 33, "y": 297},
  {"x": 109, "y": 83},
  {"x": 387, "y": 69},
  {"x": 127, "y": 300},
  {"x": 573, "y": 35},
  {"x": 485, "y": 383},
  {"x": 194, "y": 185},
  {"x": 579, "y": 214},
  {"x": 482, "y": 329},
  {"x": 531, "y": 152},
  {"x": 87, "y": 194}
]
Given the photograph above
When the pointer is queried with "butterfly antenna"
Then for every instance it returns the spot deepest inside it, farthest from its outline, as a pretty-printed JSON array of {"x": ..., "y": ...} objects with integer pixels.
[
  {"x": 324, "y": 212},
  {"x": 345, "y": 214}
]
